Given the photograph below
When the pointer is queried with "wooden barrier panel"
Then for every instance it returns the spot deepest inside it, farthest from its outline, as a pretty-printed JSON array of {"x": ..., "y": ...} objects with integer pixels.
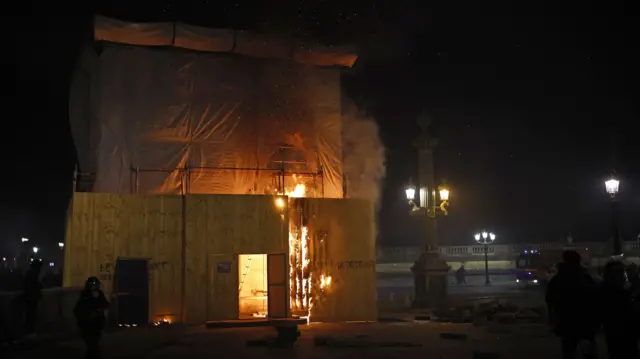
[
  {"x": 103, "y": 227},
  {"x": 219, "y": 228},
  {"x": 344, "y": 249},
  {"x": 207, "y": 233}
]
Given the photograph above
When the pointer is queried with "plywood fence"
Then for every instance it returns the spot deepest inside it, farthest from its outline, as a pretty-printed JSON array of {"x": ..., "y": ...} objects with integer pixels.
[
  {"x": 342, "y": 246},
  {"x": 209, "y": 232},
  {"x": 102, "y": 227},
  {"x": 219, "y": 227}
]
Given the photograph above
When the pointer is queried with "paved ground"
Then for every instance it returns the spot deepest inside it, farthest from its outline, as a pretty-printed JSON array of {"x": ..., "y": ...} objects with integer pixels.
[
  {"x": 398, "y": 291},
  {"x": 196, "y": 342},
  {"x": 523, "y": 342}
]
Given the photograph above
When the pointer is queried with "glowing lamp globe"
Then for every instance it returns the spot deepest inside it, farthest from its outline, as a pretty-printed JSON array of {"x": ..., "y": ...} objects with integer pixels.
[
  {"x": 612, "y": 186},
  {"x": 410, "y": 192},
  {"x": 477, "y": 236},
  {"x": 444, "y": 194}
]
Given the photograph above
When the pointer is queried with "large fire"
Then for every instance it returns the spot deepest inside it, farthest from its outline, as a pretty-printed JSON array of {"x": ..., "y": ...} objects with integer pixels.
[{"x": 302, "y": 287}]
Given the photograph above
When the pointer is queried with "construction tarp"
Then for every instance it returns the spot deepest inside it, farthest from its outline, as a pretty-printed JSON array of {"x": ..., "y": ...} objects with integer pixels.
[
  {"x": 220, "y": 40},
  {"x": 161, "y": 120}
]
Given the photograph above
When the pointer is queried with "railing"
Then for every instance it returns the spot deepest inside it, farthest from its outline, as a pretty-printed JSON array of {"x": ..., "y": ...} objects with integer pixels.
[{"x": 502, "y": 251}]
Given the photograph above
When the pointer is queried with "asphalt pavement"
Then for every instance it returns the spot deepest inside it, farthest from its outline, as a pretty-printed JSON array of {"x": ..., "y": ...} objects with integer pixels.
[
  {"x": 399, "y": 338},
  {"x": 398, "y": 291}
]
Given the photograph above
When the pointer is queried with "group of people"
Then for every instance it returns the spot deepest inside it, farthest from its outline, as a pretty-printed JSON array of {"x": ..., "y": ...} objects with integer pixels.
[
  {"x": 90, "y": 309},
  {"x": 580, "y": 306}
]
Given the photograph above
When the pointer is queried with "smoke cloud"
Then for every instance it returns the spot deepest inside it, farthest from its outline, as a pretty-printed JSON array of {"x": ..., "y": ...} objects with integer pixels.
[{"x": 363, "y": 156}]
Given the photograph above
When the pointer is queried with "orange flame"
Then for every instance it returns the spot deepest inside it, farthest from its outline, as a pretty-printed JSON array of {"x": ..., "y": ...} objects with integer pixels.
[
  {"x": 298, "y": 191},
  {"x": 300, "y": 275},
  {"x": 325, "y": 281}
]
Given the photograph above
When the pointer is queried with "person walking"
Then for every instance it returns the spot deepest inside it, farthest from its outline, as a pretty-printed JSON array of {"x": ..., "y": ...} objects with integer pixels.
[
  {"x": 571, "y": 300},
  {"x": 90, "y": 312},
  {"x": 461, "y": 274},
  {"x": 32, "y": 296}
]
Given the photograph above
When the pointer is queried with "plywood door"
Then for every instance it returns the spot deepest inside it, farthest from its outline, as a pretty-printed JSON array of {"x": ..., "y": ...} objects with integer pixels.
[
  {"x": 222, "y": 291},
  {"x": 132, "y": 296},
  {"x": 277, "y": 279}
]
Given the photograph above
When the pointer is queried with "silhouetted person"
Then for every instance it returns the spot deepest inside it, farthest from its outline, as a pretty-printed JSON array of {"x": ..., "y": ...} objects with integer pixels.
[
  {"x": 461, "y": 275},
  {"x": 634, "y": 279},
  {"x": 572, "y": 299},
  {"x": 634, "y": 288},
  {"x": 617, "y": 313},
  {"x": 90, "y": 315},
  {"x": 32, "y": 295}
]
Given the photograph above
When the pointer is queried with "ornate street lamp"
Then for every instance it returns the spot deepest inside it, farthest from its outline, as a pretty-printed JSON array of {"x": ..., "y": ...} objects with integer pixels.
[
  {"x": 431, "y": 209},
  {"x": 485, "y": 238},
  {"x": 429, "y": 270},
  {"x": 613, "y": 186}
]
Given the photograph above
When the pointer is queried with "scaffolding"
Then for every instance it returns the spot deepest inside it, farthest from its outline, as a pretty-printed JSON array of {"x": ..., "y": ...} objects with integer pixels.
[{"x": 83, "y": 181}]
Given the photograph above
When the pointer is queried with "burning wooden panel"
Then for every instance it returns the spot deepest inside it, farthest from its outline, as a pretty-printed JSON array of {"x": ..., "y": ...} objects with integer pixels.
[
  {"x": 329, "y": 242},
  {"x": 332, "y": 258}
]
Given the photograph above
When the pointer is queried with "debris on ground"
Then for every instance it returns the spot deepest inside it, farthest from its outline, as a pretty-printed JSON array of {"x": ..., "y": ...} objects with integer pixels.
[
  {"x": 455, "y": 336},
  {"x": 286, "y": 337},
  {"x": 505, "y": 313},
  {"x": 359, "y": 341}
]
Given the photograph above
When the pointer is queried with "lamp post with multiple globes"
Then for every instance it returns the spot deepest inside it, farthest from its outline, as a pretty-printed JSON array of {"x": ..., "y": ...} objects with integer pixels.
[
  {"x": 429, "y": 270},
  {"x": 485, "y": 238}
]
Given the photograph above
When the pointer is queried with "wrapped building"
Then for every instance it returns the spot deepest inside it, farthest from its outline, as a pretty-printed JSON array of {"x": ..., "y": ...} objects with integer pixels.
[
  {"x": 212, "y": 165},
  {"x": 174, "y": 108}
]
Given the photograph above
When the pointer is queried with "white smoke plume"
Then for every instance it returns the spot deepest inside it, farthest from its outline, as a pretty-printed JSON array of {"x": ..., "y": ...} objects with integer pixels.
[{"x": 363, "y": 156}]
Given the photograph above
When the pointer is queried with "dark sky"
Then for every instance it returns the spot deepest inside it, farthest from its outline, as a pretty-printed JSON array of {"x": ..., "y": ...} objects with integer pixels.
[{"x": 533, "y": 105}]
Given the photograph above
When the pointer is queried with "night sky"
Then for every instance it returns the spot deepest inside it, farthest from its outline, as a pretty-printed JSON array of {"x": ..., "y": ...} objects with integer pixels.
[{"x": 532, "y": 105}]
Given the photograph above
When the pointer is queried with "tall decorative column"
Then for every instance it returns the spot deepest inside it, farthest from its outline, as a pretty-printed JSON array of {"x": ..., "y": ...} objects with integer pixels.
[{"x": 430, "y": 270}]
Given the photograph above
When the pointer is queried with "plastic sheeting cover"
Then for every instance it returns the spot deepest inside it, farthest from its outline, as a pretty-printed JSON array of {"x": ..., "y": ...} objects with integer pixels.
[
  {"x": 158, "y": 111},
  {"x": 220, "y": 40}
]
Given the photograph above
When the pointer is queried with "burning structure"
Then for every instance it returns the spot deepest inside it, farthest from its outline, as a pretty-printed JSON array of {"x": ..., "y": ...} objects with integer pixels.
[{"x": 213, "y": 162}]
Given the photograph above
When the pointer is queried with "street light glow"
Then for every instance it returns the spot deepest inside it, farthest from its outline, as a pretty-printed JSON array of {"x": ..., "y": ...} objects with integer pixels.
[
  {"x": 411, "y": 193},
  {"x": 612, "y": 186},
  {"x": 485, "y": 237},
  {"x": 35, "y": 249},
  {"x": 25, "y": 239},
  {"x": 60, "y": 244},
  {"x": 444, "y": 194}
]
